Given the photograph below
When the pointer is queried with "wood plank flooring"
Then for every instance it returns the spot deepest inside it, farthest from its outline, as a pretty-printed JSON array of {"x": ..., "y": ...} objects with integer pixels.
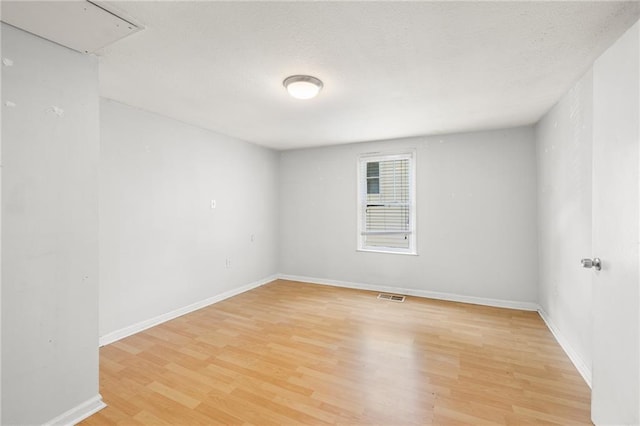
[{"x": 294, "y": 353}]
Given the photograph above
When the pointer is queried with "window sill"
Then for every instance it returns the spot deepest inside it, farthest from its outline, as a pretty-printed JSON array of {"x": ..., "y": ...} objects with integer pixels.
[{"x": 383, "y": 251}]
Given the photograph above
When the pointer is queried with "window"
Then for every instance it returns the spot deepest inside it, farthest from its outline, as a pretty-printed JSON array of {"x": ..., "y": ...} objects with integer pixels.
[{"x": 386, "y": 203}]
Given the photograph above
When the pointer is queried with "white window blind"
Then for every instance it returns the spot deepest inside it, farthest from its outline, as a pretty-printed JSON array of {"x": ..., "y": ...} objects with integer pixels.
[{"x": 386, "y": 203}]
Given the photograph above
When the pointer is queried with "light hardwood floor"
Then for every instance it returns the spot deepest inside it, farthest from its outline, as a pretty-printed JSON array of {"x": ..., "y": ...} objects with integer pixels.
[{"x": 294, "y": 353}]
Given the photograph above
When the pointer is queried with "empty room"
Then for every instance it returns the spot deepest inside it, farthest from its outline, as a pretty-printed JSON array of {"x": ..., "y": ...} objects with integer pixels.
[{"x": 320, "y": 212}]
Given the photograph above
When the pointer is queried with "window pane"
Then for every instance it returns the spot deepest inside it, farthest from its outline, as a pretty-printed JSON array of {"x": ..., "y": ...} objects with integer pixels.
[
  {"x": 373, "y": 169},
  {"x": 394, "y": 240},
  {"x": 387, "y": 218},
  {"x": 373, "y": 185}
]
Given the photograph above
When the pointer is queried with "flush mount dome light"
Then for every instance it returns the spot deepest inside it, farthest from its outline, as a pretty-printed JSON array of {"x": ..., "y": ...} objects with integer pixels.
[{"x": 302, "y": 86}]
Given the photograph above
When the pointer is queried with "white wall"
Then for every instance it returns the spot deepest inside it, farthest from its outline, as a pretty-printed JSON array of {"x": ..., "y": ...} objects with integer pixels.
[
  {"x": 50, "y": 230},
  {"x": 162, "y": 246},
  {"x": 564, "y": 143},
  {"x": 476, "y": 216}
]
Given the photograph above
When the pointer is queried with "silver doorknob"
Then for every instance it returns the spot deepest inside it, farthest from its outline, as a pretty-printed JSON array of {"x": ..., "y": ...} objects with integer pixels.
[{"x": 592, "y": 263}]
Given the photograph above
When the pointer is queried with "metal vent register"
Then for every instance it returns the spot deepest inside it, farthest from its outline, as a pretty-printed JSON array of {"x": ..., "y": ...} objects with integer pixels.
[{"x": 392, "y": 297}]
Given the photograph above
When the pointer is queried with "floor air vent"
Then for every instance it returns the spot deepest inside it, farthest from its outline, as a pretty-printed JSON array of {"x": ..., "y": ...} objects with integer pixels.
[{"x": 392, "y": 297}]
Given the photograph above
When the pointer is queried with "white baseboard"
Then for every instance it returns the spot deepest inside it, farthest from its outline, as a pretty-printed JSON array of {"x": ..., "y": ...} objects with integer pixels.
[
  {"x": 78, "y": 413},
  {"x": 151, "y": 322},
  {"x": 499, "y": 303},
  {"x": 578, "y": 362}
]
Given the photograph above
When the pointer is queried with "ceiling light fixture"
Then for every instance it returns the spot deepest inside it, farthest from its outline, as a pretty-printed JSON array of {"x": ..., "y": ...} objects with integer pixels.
[{"x": 302, "y": 86}]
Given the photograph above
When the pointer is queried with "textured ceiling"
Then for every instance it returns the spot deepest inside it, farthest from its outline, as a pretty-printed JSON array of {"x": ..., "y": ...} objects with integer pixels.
[{"x": 390, "y": 69}]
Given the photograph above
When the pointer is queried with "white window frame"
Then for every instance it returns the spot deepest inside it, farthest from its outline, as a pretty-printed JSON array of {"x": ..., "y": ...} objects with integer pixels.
[{"x": 363, "y": 159}]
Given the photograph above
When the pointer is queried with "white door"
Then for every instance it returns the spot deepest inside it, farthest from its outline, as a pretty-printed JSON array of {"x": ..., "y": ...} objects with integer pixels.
[{"x": 616, "y": 226}]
